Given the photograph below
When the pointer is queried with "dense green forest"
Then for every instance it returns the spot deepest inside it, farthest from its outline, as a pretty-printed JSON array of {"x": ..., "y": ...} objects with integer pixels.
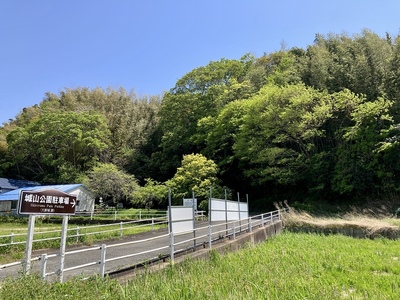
[{"x": 319, "y": 124}]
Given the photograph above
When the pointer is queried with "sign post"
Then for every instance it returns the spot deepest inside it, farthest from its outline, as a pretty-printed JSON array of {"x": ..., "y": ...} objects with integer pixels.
[
  {"x": 28, "y": 247},
  {"x": 194, "y": 221},
  {"x": 46, "y": 202},
  {"x": 63, "y": 243}
]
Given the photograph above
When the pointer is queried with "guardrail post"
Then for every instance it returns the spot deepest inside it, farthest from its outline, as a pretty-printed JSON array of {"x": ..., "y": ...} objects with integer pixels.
[
  {"x": 120, "y": 229},
  {"x": 77, "y": 234},
  {"x": 115, "y": 215},
  {"x": 91, "y": 215},
  {"x": 43, "y": 260},
  {"x": 250, "y": 229},
  {"x": 209, "y": 236},
  {"x": 262, "y": 220},
  {"x": 140, "y": 215},
  {"x": 279, "y": 214},
  {"x": 234, "y": 230},
  {"x": 152, "y": 223},
  {"x": 103, "y": 260},
  {"x": 171, "y": 246},
  {"x": 271, "y": 217},
  {"x": 12, "y": 238}
]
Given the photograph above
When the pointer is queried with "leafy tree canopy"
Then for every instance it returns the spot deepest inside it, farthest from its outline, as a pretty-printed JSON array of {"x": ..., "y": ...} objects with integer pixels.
[
  {"x": 112, "y": 184},
  {"x": 58, "y": 147},
  {"x": 197, "y": 174},
  {"x": 152, "y": 194}
]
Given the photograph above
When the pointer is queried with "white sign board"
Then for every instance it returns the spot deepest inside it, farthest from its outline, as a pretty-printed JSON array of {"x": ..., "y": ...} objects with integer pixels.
[
  {"x": 228, "y": 210},
  {"x": 181, "y": 219},
  {"x": 244, "y": 210},
  {"x": 190, "y": 202}
]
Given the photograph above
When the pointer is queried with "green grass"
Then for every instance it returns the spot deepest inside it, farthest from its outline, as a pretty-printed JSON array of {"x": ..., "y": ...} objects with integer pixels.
[{"x": 289, "y": 266}]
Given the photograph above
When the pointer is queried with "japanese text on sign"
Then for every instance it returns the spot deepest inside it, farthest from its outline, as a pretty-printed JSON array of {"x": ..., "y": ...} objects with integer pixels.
[{"x": 47, "y": 202}]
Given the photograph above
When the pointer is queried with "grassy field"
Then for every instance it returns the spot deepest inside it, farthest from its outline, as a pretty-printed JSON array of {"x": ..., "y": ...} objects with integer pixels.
[{"x": 289, "y": 266}]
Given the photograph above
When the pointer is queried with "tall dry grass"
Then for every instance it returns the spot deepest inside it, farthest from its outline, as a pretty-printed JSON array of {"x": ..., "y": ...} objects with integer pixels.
[{"x": 372, "y": 222}]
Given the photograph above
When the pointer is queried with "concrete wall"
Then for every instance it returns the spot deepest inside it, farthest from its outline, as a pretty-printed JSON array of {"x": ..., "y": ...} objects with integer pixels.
[
  {"x": 5, "y": 206},
  {"x": 258, "y": 235}
]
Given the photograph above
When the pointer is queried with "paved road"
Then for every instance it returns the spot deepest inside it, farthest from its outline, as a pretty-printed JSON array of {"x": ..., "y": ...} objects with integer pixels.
[{"x": 159, "y": 239}]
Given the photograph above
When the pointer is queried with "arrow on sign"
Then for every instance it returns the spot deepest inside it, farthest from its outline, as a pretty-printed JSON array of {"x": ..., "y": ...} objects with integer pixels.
[{"x": 73, "y": 203}]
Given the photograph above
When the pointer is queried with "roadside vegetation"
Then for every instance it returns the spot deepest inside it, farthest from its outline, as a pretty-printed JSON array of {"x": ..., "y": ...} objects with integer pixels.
[
  {"x": 288, "y": 266},
  {"x": 356, "y": 225}
]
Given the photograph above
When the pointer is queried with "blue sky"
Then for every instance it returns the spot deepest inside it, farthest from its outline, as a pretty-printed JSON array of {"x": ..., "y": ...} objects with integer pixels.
[{"x": 146, "y": 46}]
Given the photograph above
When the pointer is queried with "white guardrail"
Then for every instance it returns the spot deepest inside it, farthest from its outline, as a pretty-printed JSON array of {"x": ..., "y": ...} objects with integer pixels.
[
  {"x": 77, "y": 232},
  {"x": 162, "y": 246},
  {"x": 117, "y": 214}
]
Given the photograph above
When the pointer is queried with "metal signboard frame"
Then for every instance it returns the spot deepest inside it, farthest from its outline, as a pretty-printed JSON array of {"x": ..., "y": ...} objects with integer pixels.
[{"x": 46, "y": 202}]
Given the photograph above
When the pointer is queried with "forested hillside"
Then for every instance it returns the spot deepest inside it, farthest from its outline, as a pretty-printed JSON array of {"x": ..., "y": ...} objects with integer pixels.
[{"x": 320, "y": 123}]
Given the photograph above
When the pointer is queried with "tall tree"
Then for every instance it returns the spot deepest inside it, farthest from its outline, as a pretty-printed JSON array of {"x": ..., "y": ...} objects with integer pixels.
[
  {"x": 392, "y": 80},
  {"x": 218, "y": 135},
  {"x": 112, "y": 184},
  {"x": 279, "y": 130},
  {"x": 131, "y": 119},
  {"x": 197, "y": 174},
  {"x": 58, "y": 147},
  {"x": 152, "y": 194},
  {"x": 360, "y": 165},
  {"x": 201, "y": 93},
  {"x": 359, "y": 63}
]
